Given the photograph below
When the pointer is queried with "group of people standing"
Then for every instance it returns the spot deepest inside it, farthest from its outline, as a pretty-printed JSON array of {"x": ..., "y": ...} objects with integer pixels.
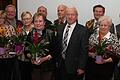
[{"x": 70, "y": 53}]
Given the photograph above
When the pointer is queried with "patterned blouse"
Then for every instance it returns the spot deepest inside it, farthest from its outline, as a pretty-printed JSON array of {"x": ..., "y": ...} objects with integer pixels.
[
  {"x": 110, "y": 38},
  {"x": 8, "y": 32}
]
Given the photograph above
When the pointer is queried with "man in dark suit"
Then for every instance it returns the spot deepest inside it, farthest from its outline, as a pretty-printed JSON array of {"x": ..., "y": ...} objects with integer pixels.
[
  {"x": 72, "y": 58},
  {"x": 98, "y": 11},
  {"x": 117, "y": 69},
  {"x": 118, "y": 31}
]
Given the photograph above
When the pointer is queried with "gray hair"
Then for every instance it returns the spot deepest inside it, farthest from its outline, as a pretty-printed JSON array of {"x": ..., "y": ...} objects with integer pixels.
[
  {"x": 62, "y": 5},
  {"x": 72, "y": 8},
  {"x": 10, "y": 5},
  {"x": 103, "y": 18}
]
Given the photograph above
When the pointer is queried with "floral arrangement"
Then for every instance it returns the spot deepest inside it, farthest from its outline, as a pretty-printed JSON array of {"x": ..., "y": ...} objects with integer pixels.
[
  {"x": 40, "y": 49},
  {"x": 102, "y": 47},
  {"x": 17, "y": 41},
  {"x": 19, "y": 37},
  {"x": 3, "y": 41},
  {"x": 39, "y": 46}
]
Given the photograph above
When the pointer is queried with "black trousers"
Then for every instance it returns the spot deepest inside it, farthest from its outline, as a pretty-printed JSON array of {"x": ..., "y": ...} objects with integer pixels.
[{"x": 64, "y": 75}]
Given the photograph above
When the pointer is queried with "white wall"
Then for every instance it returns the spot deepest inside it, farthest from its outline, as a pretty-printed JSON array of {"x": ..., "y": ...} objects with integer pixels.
[{"x": 84, "y": 8}]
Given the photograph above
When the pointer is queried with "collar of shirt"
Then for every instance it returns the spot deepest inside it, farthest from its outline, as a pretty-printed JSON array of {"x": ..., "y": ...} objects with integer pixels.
[
  {"x": 72, "y": 26},
  {"x": 107, "y": 36},
  {"x": 38, "y": 31}
]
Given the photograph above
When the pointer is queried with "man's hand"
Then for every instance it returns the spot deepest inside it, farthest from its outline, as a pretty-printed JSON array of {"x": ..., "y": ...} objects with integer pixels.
[{"x": 80, "y": 71}]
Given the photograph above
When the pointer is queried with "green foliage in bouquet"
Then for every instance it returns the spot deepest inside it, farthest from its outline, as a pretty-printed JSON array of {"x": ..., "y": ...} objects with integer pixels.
[
  {"x": 3, "y": 41},
  {"x": 19, "y": 39},
  {"x": 100, "y": 47},
  {"x": 38, "y": 49}
]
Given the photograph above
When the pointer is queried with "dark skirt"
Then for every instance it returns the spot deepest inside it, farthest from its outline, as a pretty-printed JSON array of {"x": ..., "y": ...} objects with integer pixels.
[{"x": 99, "y": 71}]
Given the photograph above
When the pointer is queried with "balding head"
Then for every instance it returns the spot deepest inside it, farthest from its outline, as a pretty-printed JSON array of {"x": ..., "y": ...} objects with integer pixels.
[{"x": 43, "y": 10}]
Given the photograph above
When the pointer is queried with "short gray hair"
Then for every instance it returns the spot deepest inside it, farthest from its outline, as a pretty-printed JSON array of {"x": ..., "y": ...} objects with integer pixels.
[
  {"x": 72, "y": 8},
  {"x": 102, "y": 18},
  {"x": 10, "y": 5}
]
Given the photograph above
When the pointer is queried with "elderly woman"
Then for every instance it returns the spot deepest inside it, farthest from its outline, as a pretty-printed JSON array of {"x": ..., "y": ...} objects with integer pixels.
[
  {"x": 40, "y": 35},
  {"x": 102, "y": 69}
]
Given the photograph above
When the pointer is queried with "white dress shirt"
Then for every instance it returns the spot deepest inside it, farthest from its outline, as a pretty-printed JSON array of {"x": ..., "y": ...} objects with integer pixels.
[{"x": 70, "y": 31}]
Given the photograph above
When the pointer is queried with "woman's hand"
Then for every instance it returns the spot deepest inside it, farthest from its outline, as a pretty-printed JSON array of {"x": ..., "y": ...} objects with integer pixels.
[
  {"x": 104, "y": 61},
  {"x": 29, "y": 55},
  {"x": 42, "y": 59},
  {"x": 91, "y": 54}
]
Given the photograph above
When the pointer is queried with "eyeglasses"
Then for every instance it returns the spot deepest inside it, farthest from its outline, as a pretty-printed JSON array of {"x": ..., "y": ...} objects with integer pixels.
[{"x": 26, "y": 19}]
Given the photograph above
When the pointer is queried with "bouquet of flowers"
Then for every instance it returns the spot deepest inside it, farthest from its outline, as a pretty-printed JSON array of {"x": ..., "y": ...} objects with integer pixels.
[
  {"x": 3, "y": 43},
  {"x": 38, "y": 50},
  {"x": 101, "y": 48},
  {"x": 18, "y": 41},
  {"x": 3, "y": 40}
]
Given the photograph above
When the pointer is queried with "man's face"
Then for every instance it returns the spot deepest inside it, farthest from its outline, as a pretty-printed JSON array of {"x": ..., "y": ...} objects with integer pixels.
[
  {"x": 42, "y": 10},
  {"x": 71, "y": 16},
  {"x": 61, "y": 12},
  {"x": 10, "y": 11},
  {"x": 98, "y": 12}
]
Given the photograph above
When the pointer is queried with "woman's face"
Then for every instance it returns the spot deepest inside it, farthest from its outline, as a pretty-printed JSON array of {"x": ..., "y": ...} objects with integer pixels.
[
  {"x": 2, "y": 20},
  {"x": 39, "y": 23},
  {"x": 27, "y": 19},
  {"x": 104, "y": 27}
]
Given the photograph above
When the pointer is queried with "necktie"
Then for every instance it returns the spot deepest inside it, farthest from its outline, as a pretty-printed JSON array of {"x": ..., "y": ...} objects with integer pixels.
[{"x": 64, "y": 42}]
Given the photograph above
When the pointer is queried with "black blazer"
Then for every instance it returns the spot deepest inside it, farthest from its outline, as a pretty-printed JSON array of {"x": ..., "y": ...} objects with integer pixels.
[
  {"x": 76, "y": 53},
  {"x": 118, "y": 30}
]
